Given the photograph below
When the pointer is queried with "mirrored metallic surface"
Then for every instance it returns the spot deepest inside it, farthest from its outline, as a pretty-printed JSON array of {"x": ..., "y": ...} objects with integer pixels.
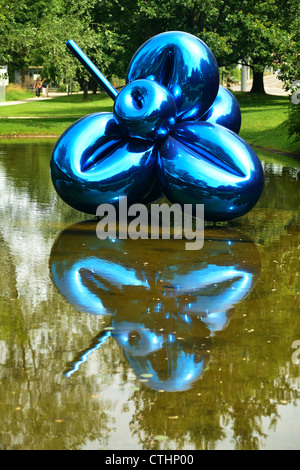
[
  {"x": 153, "y": 144},
  {"x": 225, "y": 111},
  {"x": 202, "y": 163},
  {"x": 173, "y": 306},
  {"x": 144, "y": 109},
  {"x": 183, "y": 64},
  {"x": 93, "y": 163}
]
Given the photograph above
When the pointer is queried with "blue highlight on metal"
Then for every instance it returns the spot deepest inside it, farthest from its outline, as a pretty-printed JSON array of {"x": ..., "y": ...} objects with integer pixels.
[
  {"x": 225, "y": 111},
  {"x": 145, "y": 110},
  {"x": 173, "y": 132},
  {"x": 84, "y": 357},
  {"x": 204, "y": 161},
  {"x": 184, "y": 65},
  {"x": 93, "y": 163}
]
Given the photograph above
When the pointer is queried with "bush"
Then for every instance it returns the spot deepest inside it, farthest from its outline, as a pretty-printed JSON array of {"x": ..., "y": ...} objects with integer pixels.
[
  {"x": 293, "y": 122},
  {"x": 64, "y": 87},
  {"x": 16, "y": 92}
]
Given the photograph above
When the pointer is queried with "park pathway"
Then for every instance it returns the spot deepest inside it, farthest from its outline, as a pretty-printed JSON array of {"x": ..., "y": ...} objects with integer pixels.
[
  {"x": 34, "y": 98},
  {"x": 273, "y": 86}
]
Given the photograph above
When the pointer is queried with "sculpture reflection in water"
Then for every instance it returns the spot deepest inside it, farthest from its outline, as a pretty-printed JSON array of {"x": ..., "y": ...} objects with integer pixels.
[{"x": 164, "y": 304}]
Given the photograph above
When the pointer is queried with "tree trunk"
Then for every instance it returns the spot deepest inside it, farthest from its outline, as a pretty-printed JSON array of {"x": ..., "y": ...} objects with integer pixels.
[
  {"x": 94, "y": 87},
  {"x": 85, "y": 89},
  {"x": 23, "y": 77},
  {"x": 258, "y": 83}
]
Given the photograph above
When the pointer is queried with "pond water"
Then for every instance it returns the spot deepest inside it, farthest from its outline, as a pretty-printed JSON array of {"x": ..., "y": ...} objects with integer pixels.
[{"x": 141, "y": 344}]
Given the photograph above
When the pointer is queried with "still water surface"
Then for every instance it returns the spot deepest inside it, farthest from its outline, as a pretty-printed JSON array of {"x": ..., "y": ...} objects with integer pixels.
[{"x": 141, "y": 344}]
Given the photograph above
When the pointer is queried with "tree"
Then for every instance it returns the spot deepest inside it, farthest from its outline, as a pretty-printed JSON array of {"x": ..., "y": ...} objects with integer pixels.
[
  {"x": 141, "y": 20},
  {"x": 290, "y": 75},
  {"x": 36, "y": 33},
  {"x": 110, "y": 32},
  {"x": 261, "y": 32},
  {"x": 19, "y": 32},
  {"x": 58, "y": 64},
  {"x": 233, "y": 29}
]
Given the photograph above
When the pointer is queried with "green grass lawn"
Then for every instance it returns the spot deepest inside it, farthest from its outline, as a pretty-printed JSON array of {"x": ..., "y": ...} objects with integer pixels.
[
  {"x": 263, "y": 118},
  {"x": 49, "y": 117},
  {"x": 263, "y": 122},
  {"x": 73, "y": 106}
]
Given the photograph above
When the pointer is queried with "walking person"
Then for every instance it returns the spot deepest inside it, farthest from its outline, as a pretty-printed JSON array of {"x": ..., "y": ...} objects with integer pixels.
[
  {"x": 37, "y": 87},
  {"x": 45, "y": 87},
  {"x": 229, "y": 81}
]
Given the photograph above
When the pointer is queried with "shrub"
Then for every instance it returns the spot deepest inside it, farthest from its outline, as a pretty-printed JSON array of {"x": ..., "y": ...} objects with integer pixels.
[
  {"x": 293, "y": 122},
  {"x": 16, "y": 92}
]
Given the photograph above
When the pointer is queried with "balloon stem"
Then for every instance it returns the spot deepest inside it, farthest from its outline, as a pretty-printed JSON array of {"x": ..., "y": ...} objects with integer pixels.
[{"x": 94, "y": 71}]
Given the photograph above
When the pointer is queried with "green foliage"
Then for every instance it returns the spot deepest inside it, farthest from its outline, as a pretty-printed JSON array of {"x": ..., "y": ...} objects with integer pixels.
[
  {"x": 234, "y": 29},
  {"x": 110, "y": 31},
  {"x": 290, "y": 74},
  {"x": 15, "y": 93},
  {"x": 293, "y": 122},
  {"x": 37, "y": 32},
  {"x": 71, "y": 87}
]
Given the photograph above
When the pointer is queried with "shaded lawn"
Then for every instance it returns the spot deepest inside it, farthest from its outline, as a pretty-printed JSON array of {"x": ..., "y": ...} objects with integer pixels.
[
  {"x": 17, "y": 93},
  {"x": 50, "y": 117}
]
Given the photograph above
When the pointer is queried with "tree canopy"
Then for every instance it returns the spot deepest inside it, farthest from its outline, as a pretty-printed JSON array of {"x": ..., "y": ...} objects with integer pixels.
[{"x": 110, "y": 31}]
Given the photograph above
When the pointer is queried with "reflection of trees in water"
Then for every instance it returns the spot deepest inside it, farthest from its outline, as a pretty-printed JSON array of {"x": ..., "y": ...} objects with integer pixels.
[
  {"x": 38, "y": 411},
  {"x": 237, "y": 388},
  {"x": 250, "y": 373},
  {"x": 278, "y": 207},
  {"x": 37, "y": 329},
  {"x": 281, "y": 190},
  {"x": 262, "y": 356}
]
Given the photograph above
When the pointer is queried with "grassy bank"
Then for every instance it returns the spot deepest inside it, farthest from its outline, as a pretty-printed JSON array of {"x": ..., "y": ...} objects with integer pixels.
[
  {"x": 263, "y": 118},
  {"x": 263, "y": 122}
]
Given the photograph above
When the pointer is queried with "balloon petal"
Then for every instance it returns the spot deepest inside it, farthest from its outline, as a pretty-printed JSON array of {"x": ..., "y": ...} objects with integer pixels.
[
  {"x": 225, "y": 111},
  {"x": 203, "y": 163},
  {"x": 94, "y": 163},
  {"x": 183, "y": 64}
]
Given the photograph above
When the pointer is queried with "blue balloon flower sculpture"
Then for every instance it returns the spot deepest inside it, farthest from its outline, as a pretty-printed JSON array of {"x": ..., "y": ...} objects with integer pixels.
[{"x": 173, "y": 132}]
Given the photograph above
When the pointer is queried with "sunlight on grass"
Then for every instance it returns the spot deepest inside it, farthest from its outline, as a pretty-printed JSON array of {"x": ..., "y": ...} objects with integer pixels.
[
  {"x": 263, "y": 118},
  {"x": 72, "y": 105},
  {"x": 263, "y": 122}
]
